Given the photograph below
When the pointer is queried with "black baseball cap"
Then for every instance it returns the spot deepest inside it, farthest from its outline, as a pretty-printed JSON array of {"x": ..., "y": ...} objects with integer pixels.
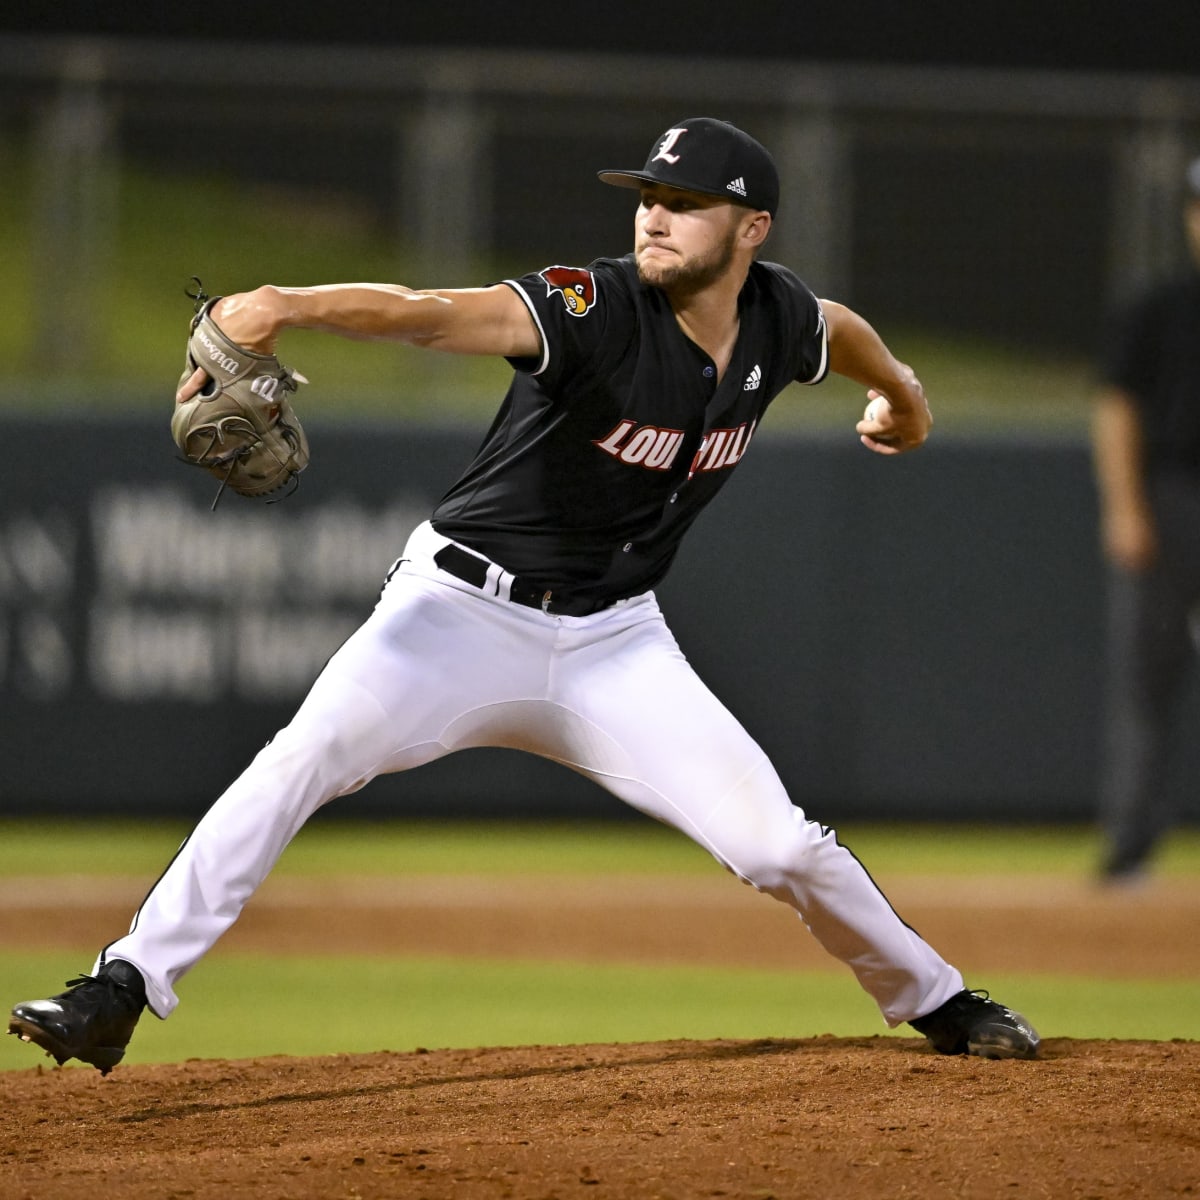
[{"x": 708, "y": 156}]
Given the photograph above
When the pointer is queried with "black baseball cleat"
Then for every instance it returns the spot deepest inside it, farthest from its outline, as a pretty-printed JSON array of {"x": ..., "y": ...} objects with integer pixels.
[
  {"x": 1123, "y": 869},
  {"x": 971, "y": 1023},
  {"x": 92, "y": 1020}
]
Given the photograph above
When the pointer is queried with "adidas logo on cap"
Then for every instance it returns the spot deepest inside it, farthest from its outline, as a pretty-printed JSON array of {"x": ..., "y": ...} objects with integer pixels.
[{"x": 737, "y": 185}]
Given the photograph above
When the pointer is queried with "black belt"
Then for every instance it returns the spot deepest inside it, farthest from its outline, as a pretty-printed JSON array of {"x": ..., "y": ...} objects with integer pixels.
[{"x": 473, "y": 570}]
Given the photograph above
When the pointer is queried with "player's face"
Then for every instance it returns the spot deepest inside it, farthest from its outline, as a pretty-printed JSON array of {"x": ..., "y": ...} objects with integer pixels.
[{"x": 683, "y": 241}]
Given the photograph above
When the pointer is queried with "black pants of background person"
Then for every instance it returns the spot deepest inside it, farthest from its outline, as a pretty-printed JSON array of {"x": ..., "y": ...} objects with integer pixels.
[{"x": 1152, "y": 629}]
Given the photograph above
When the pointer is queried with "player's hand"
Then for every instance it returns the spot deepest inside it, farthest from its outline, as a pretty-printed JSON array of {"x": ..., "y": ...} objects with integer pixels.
[
  {"x": 1130, "y": 539},
  {"x": 247, "y": 318},
  {"x": 190, "y": 386},
  {"x": 888, "y": 429},
  {"x": 251, "y": 319}
]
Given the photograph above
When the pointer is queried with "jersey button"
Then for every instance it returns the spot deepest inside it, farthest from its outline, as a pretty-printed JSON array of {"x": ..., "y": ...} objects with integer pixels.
[{"x": 709, "y": 372}]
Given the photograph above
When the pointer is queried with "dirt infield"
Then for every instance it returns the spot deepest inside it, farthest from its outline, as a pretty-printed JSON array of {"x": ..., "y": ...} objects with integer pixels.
[
  {"x": 786, "y": 1119},
  {"x": 825, "y": 1117},
  {"x": 1012, "y": 924}
]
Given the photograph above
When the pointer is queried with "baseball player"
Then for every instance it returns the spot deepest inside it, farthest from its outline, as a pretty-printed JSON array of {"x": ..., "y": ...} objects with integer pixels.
[{"x": 523, "y": 614}]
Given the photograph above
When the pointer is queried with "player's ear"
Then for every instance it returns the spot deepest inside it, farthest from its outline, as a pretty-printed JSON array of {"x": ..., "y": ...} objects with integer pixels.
[{"x": 755, "y": 227}]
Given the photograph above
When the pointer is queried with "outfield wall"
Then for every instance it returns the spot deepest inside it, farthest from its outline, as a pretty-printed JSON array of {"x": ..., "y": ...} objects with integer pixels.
[{"x": 910, "y": 638}]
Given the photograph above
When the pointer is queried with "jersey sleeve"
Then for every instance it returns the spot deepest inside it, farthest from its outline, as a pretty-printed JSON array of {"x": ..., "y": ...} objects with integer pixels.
[
  {"x": 815, "y": 343},
  {"x": 577, "y": 312},
  {"x": 1127, "y": 355},
  {"x": 802, "y": 324}
]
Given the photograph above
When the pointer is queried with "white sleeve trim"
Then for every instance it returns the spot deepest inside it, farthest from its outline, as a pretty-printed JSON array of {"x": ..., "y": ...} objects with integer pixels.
[{"x": 823, "y": 365}]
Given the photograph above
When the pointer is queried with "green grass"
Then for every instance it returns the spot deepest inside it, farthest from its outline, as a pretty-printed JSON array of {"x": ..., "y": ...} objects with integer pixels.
[
  {"x": 638, "y": 845},
  {"x": 240, "y": 1007},
  {"x": 236, "y": 1006},
  {"x": 978, "y": 849}
]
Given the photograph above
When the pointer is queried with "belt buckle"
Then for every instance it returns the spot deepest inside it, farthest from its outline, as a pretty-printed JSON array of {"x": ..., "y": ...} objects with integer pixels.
[{"x": 546, "y": 602}]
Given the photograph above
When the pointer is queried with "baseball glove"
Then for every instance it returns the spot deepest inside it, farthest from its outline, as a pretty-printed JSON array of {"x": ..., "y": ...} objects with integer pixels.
[{"x": 240, "y": 426}]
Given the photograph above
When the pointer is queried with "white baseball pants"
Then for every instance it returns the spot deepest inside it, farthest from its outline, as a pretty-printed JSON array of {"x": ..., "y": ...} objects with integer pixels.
[{"x": 442, "y": 666}]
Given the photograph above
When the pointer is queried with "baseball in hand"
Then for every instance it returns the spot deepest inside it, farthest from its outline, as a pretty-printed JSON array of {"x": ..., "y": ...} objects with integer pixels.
[{"x": 877, "y": 409}]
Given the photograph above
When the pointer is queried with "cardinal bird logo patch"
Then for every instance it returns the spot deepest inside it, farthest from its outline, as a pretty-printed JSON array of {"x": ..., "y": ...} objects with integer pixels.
[{"x": 575, "y": 285}]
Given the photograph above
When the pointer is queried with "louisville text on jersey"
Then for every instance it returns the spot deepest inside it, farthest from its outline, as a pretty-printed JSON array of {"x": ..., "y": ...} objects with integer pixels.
[{"x": 656, "y": 448}]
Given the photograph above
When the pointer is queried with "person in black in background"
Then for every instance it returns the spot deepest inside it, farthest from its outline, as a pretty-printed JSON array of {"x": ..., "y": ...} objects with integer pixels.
[{"x": 1146, "y": 447}]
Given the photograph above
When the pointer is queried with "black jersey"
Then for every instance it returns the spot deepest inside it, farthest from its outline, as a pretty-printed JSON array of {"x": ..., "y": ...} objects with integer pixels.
[
  {"x": 610, "y": 443},
  {"x": 1152, "y": 351}
]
